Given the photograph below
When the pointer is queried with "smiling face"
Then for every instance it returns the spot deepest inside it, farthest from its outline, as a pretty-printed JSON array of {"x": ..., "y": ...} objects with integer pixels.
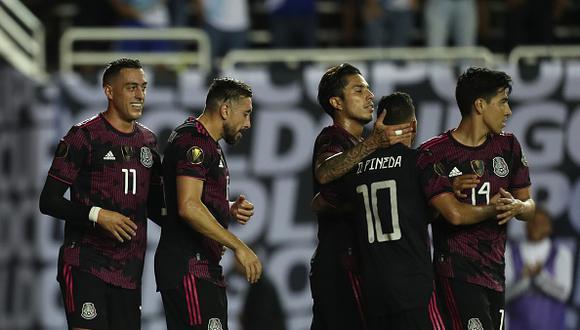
[
  {"x": 238, "y": 120},
  {"x": 356, "y": 102},
  {"x": 496, "y": 111},
  {"x": 126, "y": 94}
]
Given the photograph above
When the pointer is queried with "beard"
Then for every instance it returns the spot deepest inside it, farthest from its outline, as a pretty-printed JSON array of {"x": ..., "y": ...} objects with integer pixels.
[{"x": 231, "y": 136}]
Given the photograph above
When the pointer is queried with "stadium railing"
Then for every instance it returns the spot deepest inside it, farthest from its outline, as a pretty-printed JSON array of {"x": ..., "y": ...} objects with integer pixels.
[
  {"x": 532, "y": 53},
  {"x": 69, "y": 57},
  {"x": 22, "y": 41},
  {"x": 479, "y": 55}
]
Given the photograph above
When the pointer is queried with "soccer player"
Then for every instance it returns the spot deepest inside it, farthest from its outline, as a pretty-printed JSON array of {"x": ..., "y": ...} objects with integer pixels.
[
  {"x": 391, "y": 217},
  {"x": 111, "y": 165},
  {"x": 344, "y": 94},
  {"x": 187, "y": 268},
  {"x": 469, "y": 256}
]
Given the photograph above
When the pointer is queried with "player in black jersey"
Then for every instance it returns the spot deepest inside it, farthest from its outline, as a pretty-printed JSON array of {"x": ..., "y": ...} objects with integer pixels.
[
  {"x": 345, "y": 95},
  {"x": 187, "y": 268},
  {"x": 469, "y": 255},
  {"x": 111, "y": 165}
]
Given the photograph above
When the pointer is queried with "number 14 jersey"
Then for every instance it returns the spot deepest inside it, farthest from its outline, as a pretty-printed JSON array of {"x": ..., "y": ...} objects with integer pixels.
[{"x": 474, "y": 253}]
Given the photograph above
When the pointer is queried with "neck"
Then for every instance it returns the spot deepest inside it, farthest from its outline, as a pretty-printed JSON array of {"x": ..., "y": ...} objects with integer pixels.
[
  {"x": 117, "y": 122},
  {"x": 354, "y": 127},
  {"x": 212, "y": 124},
  {"x": 471, "y": 132}
]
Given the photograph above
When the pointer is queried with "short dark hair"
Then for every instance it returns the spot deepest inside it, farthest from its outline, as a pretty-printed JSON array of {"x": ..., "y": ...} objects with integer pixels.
[
  {"x": 113, "y": 68},
  {"x": 332, "y": 84},
  {"x": 399, "y": 107},
  {"x": 479, "y": 83},
  {"x": 225, "y": 89}
]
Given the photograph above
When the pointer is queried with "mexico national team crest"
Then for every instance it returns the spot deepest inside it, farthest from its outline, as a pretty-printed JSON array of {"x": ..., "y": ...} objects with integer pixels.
[
  {"x": 195, "y": 155},
  {"x": 478, "y": 167},
  {"x": 214, "y": 324},
  {"x": 474, "y": 324},
  {"x": 146, "y": 157},
  {"x": 500, "y": 167},
  {"x": 88, "y": 311}
]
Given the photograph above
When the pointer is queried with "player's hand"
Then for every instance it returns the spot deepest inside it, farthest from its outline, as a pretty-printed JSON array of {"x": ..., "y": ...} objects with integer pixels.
[
  {"x": 250, "y": 263},
  {"x": 388, "y": 135},
  {"x": 507, "y": 206},
  {"x": 463, "y": 182},
  {"x": 118, "y": 225},
  {"x": 242, "y": 210}
]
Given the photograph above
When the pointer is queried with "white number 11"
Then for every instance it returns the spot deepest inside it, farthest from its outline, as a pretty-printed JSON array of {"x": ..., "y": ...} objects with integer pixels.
[{"x": 133, "y": 180}]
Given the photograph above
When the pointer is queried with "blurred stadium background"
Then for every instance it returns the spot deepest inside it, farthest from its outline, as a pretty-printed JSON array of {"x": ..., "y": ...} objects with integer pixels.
[{"x": 51, "y": 55}]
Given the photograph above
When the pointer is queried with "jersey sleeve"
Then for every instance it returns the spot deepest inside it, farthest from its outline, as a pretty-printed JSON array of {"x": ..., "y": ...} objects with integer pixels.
[
  {"x": 70, "y": 156},
  {"x": 432, "y": 174},
  {"x": 329, "y": 143},
  {"x": 521, "y": 176},
  {"x": 195, "y": 155}
]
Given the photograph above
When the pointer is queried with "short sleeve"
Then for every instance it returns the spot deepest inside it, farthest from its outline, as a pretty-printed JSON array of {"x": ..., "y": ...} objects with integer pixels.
[
  {"x": 70, "y": 156},
  {"x": 195, "y": 155},
  {"x": 521, "y": 177},
  {"x": 433, "y": 175}
]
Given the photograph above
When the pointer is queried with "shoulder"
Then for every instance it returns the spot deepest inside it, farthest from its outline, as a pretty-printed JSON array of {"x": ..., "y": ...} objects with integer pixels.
[
  {"x": 435, "y": 142},
  {"x": 148, "y": 134}
]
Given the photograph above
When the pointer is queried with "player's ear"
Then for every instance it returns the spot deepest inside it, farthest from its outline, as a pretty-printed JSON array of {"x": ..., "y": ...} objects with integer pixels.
[
  {"x": 336, "y": 102},
  {"x": 108, "y": 91},
  {"x": 479, "y": 105},
  {"x": 224, "y": 110},
  {"x": 414, "y": 125}
]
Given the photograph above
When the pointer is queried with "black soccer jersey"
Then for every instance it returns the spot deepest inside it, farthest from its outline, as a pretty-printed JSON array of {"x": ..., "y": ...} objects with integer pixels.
[
  {"x": 391, "y": 224},
  {"x": 192, "y": 152},
  {"x": 112, "y": 170},
  {"x": 474, "y": 253},
  {"x": 334, "y": 233}
]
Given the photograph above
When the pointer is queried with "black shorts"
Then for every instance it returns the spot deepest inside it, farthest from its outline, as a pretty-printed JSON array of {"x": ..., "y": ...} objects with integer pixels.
[
  {"x": 413, "y": 319},
  {"x": 422, "y": 318},
  {"x": 91, "y": 303},
  {"x": 196, "y": 304},
  {"x": 337, "y": 296},
  {"x": 470, "y": 306}
]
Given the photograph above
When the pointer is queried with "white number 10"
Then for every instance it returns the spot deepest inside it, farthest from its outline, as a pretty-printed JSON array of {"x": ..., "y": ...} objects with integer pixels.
[
  {"x": 133, "y": 173},
  {"x": 372, "y": 211}
]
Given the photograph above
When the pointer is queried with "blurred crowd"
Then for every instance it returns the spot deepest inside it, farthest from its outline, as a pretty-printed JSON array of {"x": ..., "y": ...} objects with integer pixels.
[{"x": 232, "y": 24}]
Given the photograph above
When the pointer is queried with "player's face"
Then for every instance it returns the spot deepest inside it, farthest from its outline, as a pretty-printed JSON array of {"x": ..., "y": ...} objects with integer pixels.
[
  {"x": 497, "y": 111},
  {"x": 238, "y": 120},
  {"x": 128, "y": 93},
  {"x": 357, "y": 100}
]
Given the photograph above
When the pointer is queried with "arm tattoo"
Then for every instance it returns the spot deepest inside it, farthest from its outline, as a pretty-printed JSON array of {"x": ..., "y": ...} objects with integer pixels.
[{"x": 340, "y": 164}]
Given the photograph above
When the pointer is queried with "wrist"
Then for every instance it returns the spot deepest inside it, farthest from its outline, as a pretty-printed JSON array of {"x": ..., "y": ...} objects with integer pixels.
[{"x": 94, "y": 214}]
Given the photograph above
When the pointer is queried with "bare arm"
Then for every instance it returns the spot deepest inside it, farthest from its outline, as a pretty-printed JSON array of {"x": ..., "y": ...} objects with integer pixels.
[
  {"x": 331, "y": 167},
  {"x": 519, "y": 205},
  {"x": 458, "y": 213},
  {"x": 196, "y": 214}
]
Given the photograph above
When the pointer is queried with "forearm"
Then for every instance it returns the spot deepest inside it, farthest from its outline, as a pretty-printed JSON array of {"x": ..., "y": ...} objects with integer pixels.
[
  {"x": 458, "y": 213},
  {"x": 53, "y": 203},
  {"x": 201, "y": 219},
  {"x": 340, "y": 164},
  {"x": 528, "y": 210}
]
